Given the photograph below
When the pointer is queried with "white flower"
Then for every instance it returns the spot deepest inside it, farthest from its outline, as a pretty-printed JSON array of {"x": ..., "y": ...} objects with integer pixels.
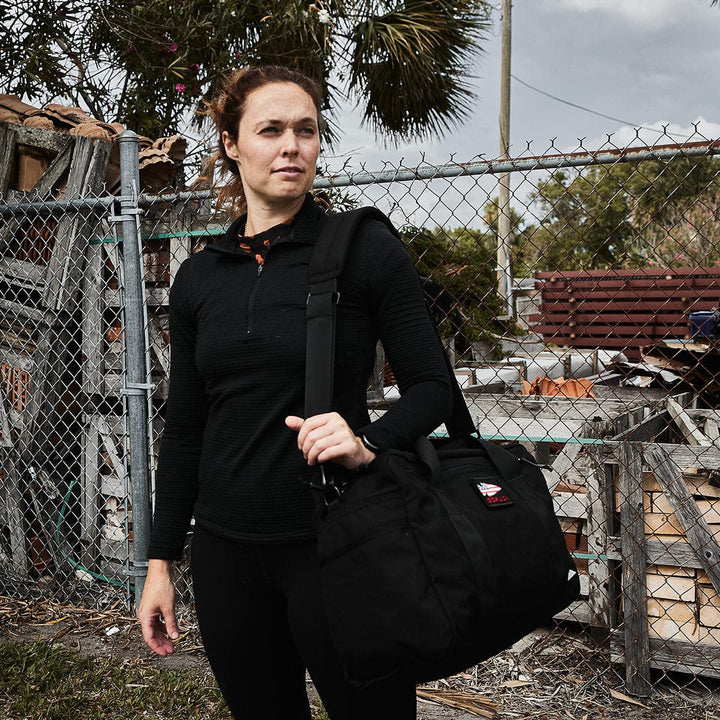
[{"x": 324, "y": 16}]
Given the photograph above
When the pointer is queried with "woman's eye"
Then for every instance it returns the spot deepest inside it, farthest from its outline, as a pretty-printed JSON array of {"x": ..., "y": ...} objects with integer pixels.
[{"x": 307, "y": 131}]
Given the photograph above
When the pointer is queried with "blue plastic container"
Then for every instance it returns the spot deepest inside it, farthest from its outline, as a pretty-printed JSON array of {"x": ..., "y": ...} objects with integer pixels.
[{"x": 701, "y": 324}]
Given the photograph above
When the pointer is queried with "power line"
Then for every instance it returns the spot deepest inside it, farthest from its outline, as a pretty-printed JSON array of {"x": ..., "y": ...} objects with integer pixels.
[{"x": 593, "y": 112}]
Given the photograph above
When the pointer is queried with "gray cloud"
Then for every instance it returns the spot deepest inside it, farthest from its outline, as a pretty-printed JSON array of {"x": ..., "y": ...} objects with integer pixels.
[{"x": 647, "y": 62}]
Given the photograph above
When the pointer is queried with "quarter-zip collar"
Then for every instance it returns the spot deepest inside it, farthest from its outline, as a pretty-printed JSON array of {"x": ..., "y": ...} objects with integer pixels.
[{"x": 305, "y": 229}]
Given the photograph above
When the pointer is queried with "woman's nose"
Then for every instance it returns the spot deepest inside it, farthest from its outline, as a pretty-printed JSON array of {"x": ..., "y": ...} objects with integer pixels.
[{"x": 290, "y": 144}]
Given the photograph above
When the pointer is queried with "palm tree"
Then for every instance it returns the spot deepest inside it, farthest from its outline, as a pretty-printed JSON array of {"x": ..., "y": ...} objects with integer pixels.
[{"x": 406, "y": 63}]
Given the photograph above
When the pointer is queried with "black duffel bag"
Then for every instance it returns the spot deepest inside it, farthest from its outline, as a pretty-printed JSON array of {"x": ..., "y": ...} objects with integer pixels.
[{"x": 432, "y": 560}]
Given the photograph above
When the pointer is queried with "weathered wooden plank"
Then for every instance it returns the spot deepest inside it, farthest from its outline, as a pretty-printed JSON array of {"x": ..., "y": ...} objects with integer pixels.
[
  {"x": 598, "y": 508},
  {"x": 696, "y": 528},
  {"x": 632, "y": 539},
  {"x": 49, "y": 140},
  {"x": 685, "y": 423},
  {"x": 539, "y": 407},
  {"x": 116, "y": 484},
  {"x": 49, "y": 387},
  {"x": 570, "y": 505},
  {"x": 23, "y": 313},
  {"x": 647, "y": 430},
  {"x": 7, "y": 153},
  {"x": 562, "y": 463},
  {"x": 578, "y": 611},
  {"x": 630, "y": 396},
  {"x": 28, "y": 273},
  {"x": 12, "y": 494},
  {"x": 33, "y": 365},
  {"x": 41, "y": 489},
  {"x": 113, "y": 384},
  {"x": 683, "y": 456},
  {"x": 93, "y": 325},
  {"x": 90, "y": 502},
  {"x": 5, "y": 436},
  {"x": 530, "y": 429},
  {"x": 180, "y": 250},
  {"x": 699, "y": 659},
  {"x": 155, "y": 297},
  {"x": 161, "y": 350},
  {"x": 73, "y": 233},
  {"x": 712, "y": 431},
  {"x": 59, "y": 165},
  {"x": 659, "y": 552}
]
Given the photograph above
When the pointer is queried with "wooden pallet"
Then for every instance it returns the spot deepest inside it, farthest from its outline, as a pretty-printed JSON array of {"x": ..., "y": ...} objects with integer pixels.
[{"x": 669, "y": 559}]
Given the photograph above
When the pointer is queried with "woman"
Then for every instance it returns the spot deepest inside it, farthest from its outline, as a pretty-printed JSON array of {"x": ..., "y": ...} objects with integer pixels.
[{"x": 235, "y": 448}]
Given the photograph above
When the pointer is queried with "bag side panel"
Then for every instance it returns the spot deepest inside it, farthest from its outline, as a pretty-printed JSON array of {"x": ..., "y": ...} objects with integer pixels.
[{"x": 381, "y": 602}]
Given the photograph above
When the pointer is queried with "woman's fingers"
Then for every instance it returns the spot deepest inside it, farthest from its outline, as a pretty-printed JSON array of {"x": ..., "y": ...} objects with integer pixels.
[
  {"x": 157, "y": 609},
  {"x": 326, "y": 437},
  {"x": 319, "y": 433},
  {"x": 155, "y": 636}
]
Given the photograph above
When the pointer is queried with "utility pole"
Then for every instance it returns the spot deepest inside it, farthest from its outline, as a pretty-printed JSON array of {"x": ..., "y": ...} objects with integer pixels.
[{"x": 504, "y": 271}]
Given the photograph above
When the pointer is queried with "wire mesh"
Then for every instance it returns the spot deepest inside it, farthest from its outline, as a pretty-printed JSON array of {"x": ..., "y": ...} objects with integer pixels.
[
  {"x": 65, "y": 513},
  {"x": 602, "y": 360}
]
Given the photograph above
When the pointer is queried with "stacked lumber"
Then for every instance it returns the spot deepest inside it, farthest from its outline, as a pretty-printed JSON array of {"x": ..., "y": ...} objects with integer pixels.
[{"x": 682, "y": 604}]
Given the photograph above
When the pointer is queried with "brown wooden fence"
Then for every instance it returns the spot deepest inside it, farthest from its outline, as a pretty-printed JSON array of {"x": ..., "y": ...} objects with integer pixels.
[{"x": 622, "y": 309}]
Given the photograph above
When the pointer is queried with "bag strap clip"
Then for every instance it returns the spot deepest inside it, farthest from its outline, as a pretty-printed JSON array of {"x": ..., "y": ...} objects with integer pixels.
[{"x": 325, "y": 486}]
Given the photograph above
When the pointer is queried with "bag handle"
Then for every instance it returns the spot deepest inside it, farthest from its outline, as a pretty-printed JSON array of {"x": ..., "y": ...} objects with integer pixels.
[{"x": 506, "y": 464}]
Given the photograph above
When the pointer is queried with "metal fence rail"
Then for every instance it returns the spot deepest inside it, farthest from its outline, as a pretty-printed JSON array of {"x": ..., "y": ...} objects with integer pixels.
[{"x": 600, "y": 355}]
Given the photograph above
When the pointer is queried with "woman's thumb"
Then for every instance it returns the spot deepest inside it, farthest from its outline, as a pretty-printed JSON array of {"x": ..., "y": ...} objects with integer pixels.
[
  {"x": 171, "y": 626},
  {"x": 294, "y": 422}
]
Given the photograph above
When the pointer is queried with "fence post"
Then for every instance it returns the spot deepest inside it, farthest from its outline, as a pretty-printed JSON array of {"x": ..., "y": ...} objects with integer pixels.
[
  {"x": 136, "y": 386},
  {"x": 634, "y": 578},
  {"x": 504, "y": 267}
]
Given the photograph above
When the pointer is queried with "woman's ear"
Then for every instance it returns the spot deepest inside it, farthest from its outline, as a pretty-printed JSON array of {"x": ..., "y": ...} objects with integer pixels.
[{"x": 230, "y": 146}]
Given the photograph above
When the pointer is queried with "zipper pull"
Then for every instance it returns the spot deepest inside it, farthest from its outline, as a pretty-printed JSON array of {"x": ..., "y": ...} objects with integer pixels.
[{"x": 260, "y": 269}]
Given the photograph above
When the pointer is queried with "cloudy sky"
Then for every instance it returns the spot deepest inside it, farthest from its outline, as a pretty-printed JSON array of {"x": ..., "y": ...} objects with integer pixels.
[{"x": 643, "y": 62}]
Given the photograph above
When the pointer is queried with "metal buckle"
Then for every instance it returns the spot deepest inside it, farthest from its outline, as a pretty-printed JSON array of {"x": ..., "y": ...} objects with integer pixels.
[{"x": 327, "y": 487}]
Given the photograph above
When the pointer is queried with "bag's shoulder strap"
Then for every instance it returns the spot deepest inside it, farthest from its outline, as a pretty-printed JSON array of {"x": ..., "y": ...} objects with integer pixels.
[
  {"x": 328, "y": 259},
  {"x": 326, "y": 263},
  {"x": 337, "y": 231}
]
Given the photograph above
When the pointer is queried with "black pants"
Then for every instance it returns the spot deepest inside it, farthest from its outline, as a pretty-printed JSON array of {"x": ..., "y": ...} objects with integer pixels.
[{"x": 262, "y": 622}]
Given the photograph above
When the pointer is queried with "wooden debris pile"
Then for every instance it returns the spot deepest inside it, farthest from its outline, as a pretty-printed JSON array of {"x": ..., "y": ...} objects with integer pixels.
[
  {"x": 160, "y": 159},
  {"x": 61, "y": 337},
  {"x": 654, "y": 582}
]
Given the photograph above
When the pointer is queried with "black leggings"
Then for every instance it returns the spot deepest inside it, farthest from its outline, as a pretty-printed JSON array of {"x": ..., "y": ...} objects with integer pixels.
[{"x": 262, "y": 622}]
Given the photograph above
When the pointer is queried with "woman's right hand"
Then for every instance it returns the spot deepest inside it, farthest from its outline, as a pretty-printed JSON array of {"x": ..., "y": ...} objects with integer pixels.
[{"x": 157, "y": 609}]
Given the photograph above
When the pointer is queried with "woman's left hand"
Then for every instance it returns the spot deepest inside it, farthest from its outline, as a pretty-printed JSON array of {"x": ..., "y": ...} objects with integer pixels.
[{"x": 328, "y": 437}]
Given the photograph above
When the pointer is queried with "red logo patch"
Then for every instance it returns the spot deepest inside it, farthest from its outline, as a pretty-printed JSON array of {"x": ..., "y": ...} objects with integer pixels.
[{"x": 492, "y": 495}]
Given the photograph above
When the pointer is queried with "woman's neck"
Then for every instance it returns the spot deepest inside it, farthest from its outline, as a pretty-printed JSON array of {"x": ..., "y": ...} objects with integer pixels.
[{"x": 261, "y": 217}]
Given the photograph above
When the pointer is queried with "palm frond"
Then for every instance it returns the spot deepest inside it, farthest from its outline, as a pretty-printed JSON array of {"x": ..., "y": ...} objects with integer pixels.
[{"x": 410, "y": 66}]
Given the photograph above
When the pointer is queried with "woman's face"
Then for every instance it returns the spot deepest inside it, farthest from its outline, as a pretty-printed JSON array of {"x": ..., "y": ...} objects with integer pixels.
[{"x": 277, "y": 146}]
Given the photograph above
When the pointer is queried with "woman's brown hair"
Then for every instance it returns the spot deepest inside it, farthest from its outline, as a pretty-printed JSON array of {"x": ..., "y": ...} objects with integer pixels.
[{"x": 227, "y": 109}]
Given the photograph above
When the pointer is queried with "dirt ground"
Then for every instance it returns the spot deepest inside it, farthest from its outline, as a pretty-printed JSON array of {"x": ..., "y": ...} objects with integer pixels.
[{"x": 550, "y": 676}]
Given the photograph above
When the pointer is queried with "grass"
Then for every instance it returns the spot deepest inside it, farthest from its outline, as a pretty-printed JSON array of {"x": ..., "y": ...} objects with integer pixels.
[{"x": 44, "y": 681}]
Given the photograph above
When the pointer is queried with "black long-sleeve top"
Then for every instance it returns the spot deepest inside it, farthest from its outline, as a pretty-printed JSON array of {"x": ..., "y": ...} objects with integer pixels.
[{"x": 237, "y": 334}]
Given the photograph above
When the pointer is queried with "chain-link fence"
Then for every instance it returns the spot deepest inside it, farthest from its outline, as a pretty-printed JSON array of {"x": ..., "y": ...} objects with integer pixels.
[{"x": 581, "y": 318}]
